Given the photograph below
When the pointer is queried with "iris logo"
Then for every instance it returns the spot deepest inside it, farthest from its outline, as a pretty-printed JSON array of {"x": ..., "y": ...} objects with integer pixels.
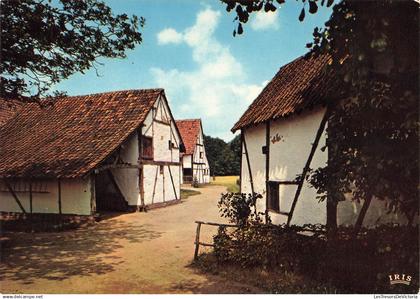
[{"x": 400, "y": 279}]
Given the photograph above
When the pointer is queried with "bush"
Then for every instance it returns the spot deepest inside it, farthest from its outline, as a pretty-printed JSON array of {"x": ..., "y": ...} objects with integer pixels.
[
  {"x": 351, "y": 263},
  {"x": 195, "y": 183},
  {"x": 240, "y": 208}
]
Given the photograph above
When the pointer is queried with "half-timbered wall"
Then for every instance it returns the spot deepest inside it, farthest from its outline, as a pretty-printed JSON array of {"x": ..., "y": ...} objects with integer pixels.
[
  {"x": 75, "y": 197},
  {"x": 161, "y": 175},
  {"x": 201, "y": 169},
  {"x": 289, "y": 147}
]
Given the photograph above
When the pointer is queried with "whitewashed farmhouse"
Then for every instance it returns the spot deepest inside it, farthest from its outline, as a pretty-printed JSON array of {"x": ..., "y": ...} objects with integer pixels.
[
  {"x": 194, "y": 161},
  {"x": 278, "y": 132},
  {"x": 114, "y": 151}
]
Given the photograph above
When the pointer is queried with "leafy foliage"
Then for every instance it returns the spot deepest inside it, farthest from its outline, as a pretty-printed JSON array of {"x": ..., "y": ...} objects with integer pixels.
[
  {"x": 44, "y": 42},
  {"x": 195, "y": 182},
  {"x": 240, "y": 208},
  {"x": 224, "y": 158},
  {"x": 373, "y": 128},
  {"x": 348, "y": 264}
]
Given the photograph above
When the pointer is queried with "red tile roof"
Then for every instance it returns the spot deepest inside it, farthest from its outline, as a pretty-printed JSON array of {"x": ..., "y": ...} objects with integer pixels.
[
  {"x": 73, "y": 136},
  {"x": 189, "y": 129},
  {"x": 8, "y": 109},
  {"x": 297, "y": 86}
]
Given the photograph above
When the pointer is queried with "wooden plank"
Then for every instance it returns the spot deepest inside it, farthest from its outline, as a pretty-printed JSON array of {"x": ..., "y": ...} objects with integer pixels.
[
  {"x": 172, "y": 180},
  {"x": 308, "y": 163},
  {"x": 116, "y": 166},
  {"x": 92, "y": 195},
  {"x": 241, "y": 160},
  {"x": 14, "y": 196},
  {"x": 30, "y": 197},
  {"x": 217, "y": 224},
  {"x": 115, "y": 184},
  {"x": 141, "y": 171},
  {"x": 288, "y": 182},
  {"x": 205, "y": 244},
  {"x": 164, "y": 163},
  {"x": 59, "y": 196},
  {"x": 162, "y": 122},
  {"x": 249, "y": 166},
  {"x": 154, "y": 186},
  {"x": 197, "y": 240},
  {"x": 267, "y": 168},
  {"x": 163, "y": 182}
]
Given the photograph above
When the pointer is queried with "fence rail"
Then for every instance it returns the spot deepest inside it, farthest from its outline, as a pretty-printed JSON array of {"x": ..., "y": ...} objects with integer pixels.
[
  {"x": 197, "y": 235},
  {"x": 197, "y": 242}
]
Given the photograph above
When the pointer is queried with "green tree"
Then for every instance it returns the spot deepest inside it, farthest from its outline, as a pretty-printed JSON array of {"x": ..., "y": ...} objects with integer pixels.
[
  {"x": 222, "y": 158},
  {"x": 44, "y": 42},
  {"x": 373, "y": 126}
]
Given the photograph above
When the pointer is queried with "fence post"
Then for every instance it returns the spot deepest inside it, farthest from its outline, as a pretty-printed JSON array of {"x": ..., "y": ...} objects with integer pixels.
[{"x": 197, "y": 240}]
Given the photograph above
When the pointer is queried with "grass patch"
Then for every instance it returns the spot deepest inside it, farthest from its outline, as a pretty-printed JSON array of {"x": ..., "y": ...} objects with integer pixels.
[
  {"x": 185, "y": 193},
  {"x": 230, "y": 182}
]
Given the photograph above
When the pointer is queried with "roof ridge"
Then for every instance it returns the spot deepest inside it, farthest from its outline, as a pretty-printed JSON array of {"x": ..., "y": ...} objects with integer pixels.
[
  {"x": 113, "y": 92},
  {"x": 188, "y": 119}
]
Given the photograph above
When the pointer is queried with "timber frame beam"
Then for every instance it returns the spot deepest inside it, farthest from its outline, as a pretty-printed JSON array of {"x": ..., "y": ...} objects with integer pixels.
[
  {"x": 249, "y": 166},
  {"x": 301, "y": 180},
  {"x": 14, "y": 196}
]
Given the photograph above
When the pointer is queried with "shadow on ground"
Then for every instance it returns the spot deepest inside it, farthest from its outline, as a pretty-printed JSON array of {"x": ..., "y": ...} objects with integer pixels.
[
  {"x": 58, "y": 256},
  {"x": 213, "y": 285}
]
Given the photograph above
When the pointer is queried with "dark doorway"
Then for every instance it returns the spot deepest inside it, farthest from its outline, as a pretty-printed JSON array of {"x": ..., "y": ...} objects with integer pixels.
[
  {"x": 108, "y": 195},
  {"x": 187, "y": 175}
]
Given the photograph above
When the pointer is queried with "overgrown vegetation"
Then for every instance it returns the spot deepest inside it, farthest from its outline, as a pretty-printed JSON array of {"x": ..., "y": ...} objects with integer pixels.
[{"x": 341, "y": 262}]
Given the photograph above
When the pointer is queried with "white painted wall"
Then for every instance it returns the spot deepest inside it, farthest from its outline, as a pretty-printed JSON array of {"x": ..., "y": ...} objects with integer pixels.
[
  {"x": 75, "y": 198},
  {"x": 201, "y": 168},
  {"x": 162, "y": 136},
  {"x": 287, "y": 159},
  {"x": 186, "y": 161},
  {"x": 348, "y": 211},
  {"x": 158, "y": 186}
]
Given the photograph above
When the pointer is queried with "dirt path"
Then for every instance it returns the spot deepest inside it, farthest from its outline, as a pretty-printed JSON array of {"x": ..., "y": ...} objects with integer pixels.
[{"x": 130, "y": 253}]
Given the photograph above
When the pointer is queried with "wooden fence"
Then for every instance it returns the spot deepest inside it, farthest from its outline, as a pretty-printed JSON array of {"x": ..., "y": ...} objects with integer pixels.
[{"x": 197, "y": 235}]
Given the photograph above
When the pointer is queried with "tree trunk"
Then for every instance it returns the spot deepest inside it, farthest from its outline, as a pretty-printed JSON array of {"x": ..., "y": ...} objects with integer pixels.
[
  {"x": 331, "y": 215},
  {"x": 362, "y": 215}
]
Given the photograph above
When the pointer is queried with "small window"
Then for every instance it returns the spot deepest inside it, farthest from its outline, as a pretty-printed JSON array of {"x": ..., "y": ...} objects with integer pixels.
[
  {"x": 273, "y": 196},
  {"x": 161, "y": 169},
  {"x": 147, "y": 147},
  {"x": 201, "y": 155},
  {"x": 170, "y": 144}
]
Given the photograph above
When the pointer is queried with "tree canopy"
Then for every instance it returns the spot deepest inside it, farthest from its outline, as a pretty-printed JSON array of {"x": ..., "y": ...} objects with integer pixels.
[
  {"x": 224, "y": 158},
  {"x": 373, "y": 126},
  {"x": 44, "y": 42}
]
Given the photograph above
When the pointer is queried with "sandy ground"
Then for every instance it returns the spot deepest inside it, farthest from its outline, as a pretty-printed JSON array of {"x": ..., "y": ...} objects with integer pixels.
[{"x": 130, "y": 253}]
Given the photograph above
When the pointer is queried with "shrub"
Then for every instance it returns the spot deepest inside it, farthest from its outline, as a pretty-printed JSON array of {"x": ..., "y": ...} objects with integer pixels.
[
  {"x": 195, "y": 183},
  {"x": 358, "y": 263},
  {"x": 240, "y": 208}
]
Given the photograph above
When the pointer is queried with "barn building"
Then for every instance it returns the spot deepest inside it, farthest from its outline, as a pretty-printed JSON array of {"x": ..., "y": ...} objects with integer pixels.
[
  {"x": 194, "y": 161},
  {"x": 114, "y": 151},
  {"x": 283, "y": 132}
]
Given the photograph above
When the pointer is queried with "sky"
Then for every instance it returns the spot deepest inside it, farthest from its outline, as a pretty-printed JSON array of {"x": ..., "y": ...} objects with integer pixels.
[{"x": 188, "y": 49}]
